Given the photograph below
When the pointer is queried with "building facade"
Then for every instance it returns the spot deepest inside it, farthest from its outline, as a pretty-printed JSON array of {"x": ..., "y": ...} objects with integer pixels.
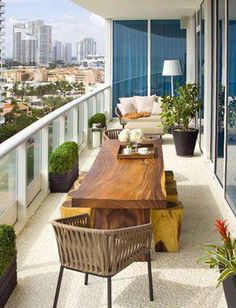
[
  {"x": 67, "y": 53},
  {"x": 57, "y": 52},
  {"x": 86, "y": 47},
  {"x": 32, "y": 42},
  {"x": 2, "y": 18}
]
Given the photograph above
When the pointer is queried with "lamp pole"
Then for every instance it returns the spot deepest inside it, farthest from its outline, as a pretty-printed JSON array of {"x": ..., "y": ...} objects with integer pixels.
[{"x": 172, "y": 85}]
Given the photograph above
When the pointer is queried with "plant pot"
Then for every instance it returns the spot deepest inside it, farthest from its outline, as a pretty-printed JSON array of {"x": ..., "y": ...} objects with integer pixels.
[
  {"x": 185, "y": 141},
  {"x": 229, "y": 286},
  {"x": 8, "y": 282},
  {"x": 63, "y": 182}
]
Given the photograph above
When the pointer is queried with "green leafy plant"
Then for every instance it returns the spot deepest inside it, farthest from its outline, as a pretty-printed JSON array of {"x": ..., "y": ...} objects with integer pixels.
[
  {"x": 224, "y": 256},
  {"x": 178, "y": 111},
  {"x": 63, "y": 158},
  {"x": 97, "y": 118},
  {"x": 7, "y": 247}
]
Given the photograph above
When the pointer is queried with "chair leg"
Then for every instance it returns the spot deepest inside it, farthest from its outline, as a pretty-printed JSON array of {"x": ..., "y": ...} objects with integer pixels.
[
  {"x": 58, "y": 286},
  {"x": 109, "y": 292},
  {"x": 86, "y": 279},
  {"x": 150, "y": 276}
]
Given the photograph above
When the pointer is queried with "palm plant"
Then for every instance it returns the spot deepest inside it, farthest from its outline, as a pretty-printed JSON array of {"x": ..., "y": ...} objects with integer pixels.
[{"x": 224, "y": 256}]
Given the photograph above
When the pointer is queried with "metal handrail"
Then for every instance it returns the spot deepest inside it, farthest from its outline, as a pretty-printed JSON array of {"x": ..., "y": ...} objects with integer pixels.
[{"x": 24, "y": 134}]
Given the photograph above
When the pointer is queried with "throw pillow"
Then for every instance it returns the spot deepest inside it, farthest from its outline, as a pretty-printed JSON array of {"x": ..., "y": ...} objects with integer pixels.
[
  {"x": 127, "y": 105},
  {"x": 145, "y": 103},
  {"x": 156, "y": 108}
]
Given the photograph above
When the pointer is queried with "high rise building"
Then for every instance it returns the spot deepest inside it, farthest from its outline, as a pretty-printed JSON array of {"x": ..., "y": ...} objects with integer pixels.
[
  {"x": 67, "y": 53},
  {"x": 57, "y": 55},
  {"x": 45, "y": 45},
  {"x": 29, "y": 49},
  {"x": 19, "y": 30},
  {"x": 86, "y": 47},
  {"x": 32, "y": 42}
]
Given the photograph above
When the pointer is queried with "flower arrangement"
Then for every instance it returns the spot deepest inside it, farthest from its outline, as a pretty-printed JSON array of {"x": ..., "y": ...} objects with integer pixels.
[
  {"x": 131, "y": 136},
  {"x": 224, "y": 256}
]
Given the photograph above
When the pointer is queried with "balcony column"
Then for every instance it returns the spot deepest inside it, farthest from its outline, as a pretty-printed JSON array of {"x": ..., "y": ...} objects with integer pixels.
[
  {"x": 22, "y": 183},
  {"x": 108, "y": 65},
  {"x": 44, "y": 161}
]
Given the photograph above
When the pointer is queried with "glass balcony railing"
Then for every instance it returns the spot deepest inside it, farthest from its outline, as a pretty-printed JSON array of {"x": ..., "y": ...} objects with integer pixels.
[{"x": 24, "y": 157}]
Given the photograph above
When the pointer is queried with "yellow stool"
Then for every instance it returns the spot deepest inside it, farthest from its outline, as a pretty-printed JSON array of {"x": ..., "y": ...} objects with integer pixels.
[
  {"x": 169, "y": 175},
  {"x": 166, "y": 224},
  {"x": 66, "y": 209},
  {"x": 172, "y": 194},
  {"x": 171, "y": 184}
]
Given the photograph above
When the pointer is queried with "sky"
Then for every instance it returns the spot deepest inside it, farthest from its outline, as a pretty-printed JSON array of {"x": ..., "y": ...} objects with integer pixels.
[{"x": 69, "y": 21}]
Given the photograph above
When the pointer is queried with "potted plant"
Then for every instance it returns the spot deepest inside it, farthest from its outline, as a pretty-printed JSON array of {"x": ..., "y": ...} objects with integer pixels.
[
  {"x": 177, "y": 113},
  {"x": 223, "y": 257},
  {"x": 63, "y": 167},
  {"x": 96, "y": 124},
  {"x": 8, "y": 276}
]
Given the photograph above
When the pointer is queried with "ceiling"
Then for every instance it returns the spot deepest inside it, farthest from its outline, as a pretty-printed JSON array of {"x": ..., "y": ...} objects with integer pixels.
[{"x": 140, "y": 9}]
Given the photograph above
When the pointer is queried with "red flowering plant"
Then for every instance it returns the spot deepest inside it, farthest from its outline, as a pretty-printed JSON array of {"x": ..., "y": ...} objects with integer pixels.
[{"x": 224, "y": 256}]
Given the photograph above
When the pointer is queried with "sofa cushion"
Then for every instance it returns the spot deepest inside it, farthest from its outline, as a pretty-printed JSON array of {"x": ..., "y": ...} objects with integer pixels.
[
  {"x": 145, "y": 103},
  {"x": 147, "y": 128},
  {"x": 127, "y": 105},
  {"x": 156, "y": 109}
]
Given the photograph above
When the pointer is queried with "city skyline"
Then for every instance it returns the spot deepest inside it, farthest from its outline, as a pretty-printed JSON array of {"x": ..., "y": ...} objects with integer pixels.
[{"x": 74, "y": 24}]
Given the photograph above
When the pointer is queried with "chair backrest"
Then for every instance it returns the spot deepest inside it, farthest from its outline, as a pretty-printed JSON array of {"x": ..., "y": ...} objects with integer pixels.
[
  {"x": 118, "y": 112},
  {"x": 111, "y": 133},
  {"x": 100, "y": 252}
]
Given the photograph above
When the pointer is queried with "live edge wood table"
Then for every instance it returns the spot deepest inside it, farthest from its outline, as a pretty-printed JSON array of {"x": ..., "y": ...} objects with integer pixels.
[{"x": 121, "y": 192}]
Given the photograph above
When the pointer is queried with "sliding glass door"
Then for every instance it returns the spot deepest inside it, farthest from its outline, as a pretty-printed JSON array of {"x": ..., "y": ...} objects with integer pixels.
[
  {"x": 130, "y": 58},
  {"x": 220, "y": 91},
  {"x": 168, "y": 42},
  {"x": 231, "y": 118},
  {"x": 200, "y": 67}
]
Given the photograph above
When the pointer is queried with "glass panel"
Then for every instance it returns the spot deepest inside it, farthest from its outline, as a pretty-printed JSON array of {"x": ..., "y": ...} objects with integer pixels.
[
  {"x": 200, "y": 48},
  {"x": 69, "y": 126},
  {"x": 168, "y": 42},
  {"x": 231, "y": 127},
  {"x": 53, "y": 136},
  {"x": 90, "y": 107},
  {"x": 81, "y": 123},
  {"x": 220, "y": 100},
  {"x": 33, "y": 157},
  {"x": 8, "y": 181},
  {"x": 129, "y": 59}
]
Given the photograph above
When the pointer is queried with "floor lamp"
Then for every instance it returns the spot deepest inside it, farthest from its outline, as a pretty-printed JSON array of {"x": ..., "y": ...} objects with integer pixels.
[{"x": 172, "y": 68}]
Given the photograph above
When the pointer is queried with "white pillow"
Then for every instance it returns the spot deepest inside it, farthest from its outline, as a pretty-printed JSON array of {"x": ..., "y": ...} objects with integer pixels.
[
  {"x": 156, "y": 109},
  {"x": 145, "y": 103},
  {"x": 127, "y": 105},
  {"x": 152, "y": 97},
  {"x": 126, "y": 108}
]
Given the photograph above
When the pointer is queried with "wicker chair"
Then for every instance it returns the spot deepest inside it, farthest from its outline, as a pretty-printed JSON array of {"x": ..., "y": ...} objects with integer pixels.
[
  {"x": 102, "y": 253},
  {"x": 111, "y": 134}
]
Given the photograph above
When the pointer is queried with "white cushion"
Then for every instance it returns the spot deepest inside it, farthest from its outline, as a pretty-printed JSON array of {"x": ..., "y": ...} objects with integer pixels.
[
  {"x": 145, "y": 103},
  {"x": 127, "y": 105},
  {"x": 156, "y": 109}
]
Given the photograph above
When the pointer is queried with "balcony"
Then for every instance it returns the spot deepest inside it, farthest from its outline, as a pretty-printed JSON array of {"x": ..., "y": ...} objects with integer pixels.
[{"x": 178, "y": 279}]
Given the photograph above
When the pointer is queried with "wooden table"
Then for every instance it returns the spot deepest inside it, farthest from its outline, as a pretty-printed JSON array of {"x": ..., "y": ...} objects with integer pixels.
[{"x": 122, "y": 192}]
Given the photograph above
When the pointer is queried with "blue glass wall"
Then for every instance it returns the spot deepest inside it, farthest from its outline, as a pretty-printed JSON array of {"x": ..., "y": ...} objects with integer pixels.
[
  {"x": 130, "y": 57},
  {"x": 231, "y": 125},
  {"x": 168, "y": 42}
]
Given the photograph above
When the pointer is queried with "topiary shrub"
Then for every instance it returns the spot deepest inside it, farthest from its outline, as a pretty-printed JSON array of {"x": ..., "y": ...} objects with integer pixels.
[
  {"x": 63, "y": 158},
  {"x": 7, "y": 247},
  {"x": 97, "y": 118}
]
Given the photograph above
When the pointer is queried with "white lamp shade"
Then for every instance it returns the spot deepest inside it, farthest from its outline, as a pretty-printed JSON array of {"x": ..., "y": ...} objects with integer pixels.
[{"x": 171, "y": 68}]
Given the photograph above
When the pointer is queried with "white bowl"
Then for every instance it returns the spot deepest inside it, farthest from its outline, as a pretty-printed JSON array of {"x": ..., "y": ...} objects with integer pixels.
[{"x": 143, "y": 150}]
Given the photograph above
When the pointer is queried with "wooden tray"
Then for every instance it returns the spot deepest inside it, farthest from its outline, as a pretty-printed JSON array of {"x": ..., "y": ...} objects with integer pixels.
[{"x": 135, "y": 155}]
